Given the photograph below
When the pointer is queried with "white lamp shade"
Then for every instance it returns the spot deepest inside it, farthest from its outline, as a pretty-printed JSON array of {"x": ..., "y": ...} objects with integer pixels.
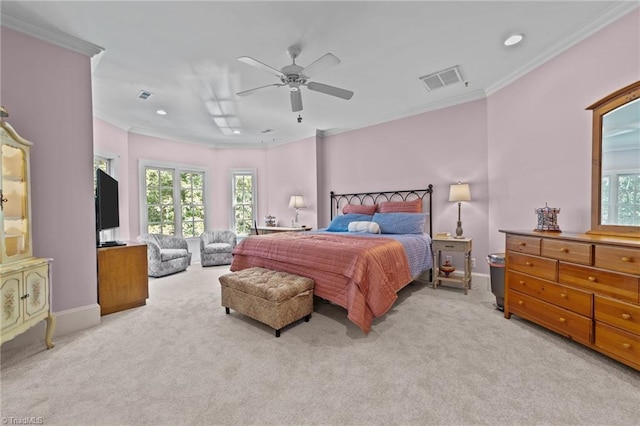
[
  {"x": 296, "y": 202},
  {"x": 459, "y": 192}
]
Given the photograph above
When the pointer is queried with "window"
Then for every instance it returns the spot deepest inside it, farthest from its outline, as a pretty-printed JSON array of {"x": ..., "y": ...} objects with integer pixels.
[
  {"x": 243, "y": 201},
  {"x": 173, "y": 201},
  {"x": 620, "y": 200}
]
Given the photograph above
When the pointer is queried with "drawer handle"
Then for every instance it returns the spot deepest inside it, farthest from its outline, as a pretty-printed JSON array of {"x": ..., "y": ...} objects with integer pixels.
[
  {"x": 564, "y": 250},
  {"x": 523, "y": 282},
  {"x": 626, "y": 259},
  {"x": 521, "y": 244},
  {"x": 592, "y": 279},
  {"x": 563, "y": 320},
  {"x": 563, "y": 295},
  {"x": 626, "y": 316},
  {"x": 528, "y": 263},
  {"x": 520, "y": 302},
  {"x": 626, "y": 345}
]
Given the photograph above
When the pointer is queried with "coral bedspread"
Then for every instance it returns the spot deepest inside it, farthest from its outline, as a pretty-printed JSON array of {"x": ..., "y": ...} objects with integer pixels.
[{"x": 358, "y": 273}]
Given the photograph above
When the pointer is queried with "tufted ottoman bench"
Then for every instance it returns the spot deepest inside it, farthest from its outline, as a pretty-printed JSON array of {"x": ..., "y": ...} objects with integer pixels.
[{"x": 272, "y": 297}]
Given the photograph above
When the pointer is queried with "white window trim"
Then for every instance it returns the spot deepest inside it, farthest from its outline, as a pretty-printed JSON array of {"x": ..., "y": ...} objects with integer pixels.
[
  {"x": 254, "y": 194},
  {"x": 142, "y": 192}
]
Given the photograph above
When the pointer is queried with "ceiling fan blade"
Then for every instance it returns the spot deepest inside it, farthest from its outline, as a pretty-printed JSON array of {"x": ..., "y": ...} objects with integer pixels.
[
  {"x": 255, "y": 63},
  {"x": 327, "y": 61},
  {"x": 250, "y": 91},
  {"x": 296, "y": 100},
  {"x": 330, "y": 90}
]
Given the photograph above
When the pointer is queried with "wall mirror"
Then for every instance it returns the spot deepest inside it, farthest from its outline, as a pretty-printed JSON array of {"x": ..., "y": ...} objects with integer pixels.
[{"x": 615, "y": 177}]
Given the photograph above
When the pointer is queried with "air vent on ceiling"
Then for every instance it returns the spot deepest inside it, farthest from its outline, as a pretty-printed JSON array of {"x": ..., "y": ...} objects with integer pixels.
[
  {"x": 443, "y": 78},
  {"x": 144, "y": 95}
]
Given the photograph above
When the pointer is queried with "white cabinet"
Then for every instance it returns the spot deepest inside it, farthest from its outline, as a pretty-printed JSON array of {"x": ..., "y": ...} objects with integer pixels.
[{"x": 24, "y": 279}]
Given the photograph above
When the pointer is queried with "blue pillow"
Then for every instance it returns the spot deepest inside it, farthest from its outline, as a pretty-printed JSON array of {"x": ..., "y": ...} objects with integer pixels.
[
  {"x": 341, "y": 223},
  {"x": 401, "y": 223}
]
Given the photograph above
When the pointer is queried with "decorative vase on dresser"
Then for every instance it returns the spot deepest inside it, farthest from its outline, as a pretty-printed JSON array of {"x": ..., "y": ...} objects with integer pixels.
[
  {"x": 24, "y": 279},
  {"x": 583, "y": 286}
]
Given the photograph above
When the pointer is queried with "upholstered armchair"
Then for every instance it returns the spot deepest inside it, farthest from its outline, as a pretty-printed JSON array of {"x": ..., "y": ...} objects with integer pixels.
[
  {"x": 166, "y": 254},
  {"x": 216, "y": 247}
]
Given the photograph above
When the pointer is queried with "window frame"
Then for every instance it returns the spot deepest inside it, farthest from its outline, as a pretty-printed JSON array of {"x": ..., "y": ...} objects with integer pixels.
[
  {"x": 254, "y": 197},
  {"x": 177, "y": 168}
]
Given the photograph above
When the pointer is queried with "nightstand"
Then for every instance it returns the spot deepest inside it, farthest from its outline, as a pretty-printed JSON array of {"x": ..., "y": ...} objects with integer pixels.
[{"x": 455, "y": 245}]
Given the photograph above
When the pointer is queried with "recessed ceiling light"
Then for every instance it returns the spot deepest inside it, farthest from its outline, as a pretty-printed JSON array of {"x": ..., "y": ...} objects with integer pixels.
[
  {"x": 161, "y": 112},
  {"x": 513, "y": 39},
  {"x": 236, "y": 132}
]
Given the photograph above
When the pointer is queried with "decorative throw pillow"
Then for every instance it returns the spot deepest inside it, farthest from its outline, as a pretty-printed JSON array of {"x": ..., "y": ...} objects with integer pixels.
[
  {"x": 360, "y": 209},
  {"x": 401, "y": 223},
  {"x": 341, "y": 223},
  {"x": 359, "y": 226},
  {"x": 414, "y": 206}
]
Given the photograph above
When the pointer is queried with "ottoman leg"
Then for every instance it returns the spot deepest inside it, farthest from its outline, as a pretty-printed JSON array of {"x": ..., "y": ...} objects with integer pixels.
[
  {"x": 307, "y": 318},
  {"x": 226, "y": 310},
  {"x": 278, "y": 333}
]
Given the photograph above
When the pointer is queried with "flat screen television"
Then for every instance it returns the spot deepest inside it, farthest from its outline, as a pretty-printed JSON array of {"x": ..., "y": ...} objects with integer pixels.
[{"x": 107, "y": 209}]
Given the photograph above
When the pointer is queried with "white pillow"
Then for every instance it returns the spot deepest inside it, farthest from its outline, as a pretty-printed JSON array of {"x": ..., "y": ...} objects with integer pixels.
[{"x": 361, "y": 226}]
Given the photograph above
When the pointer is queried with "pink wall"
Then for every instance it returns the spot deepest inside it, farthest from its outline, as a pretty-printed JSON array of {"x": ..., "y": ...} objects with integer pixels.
[
  {"x": 439, "y": 147},
  {"x": 292, "y": 170},
  {"x": 540, "y": 133},
  {"x": 47, "y": 91},
  {"x": 112, "y": 142}
]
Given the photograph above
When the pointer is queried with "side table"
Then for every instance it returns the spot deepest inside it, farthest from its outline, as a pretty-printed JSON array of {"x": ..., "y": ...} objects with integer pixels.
[{"x": 457, "y": 245}]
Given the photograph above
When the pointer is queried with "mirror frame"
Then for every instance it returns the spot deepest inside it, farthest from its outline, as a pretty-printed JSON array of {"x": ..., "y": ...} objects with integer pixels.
[{"x": 600, "y": 108}]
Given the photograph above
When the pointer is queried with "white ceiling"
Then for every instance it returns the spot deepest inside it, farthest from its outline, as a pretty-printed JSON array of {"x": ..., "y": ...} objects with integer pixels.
[{"x": 179, "y": 50}]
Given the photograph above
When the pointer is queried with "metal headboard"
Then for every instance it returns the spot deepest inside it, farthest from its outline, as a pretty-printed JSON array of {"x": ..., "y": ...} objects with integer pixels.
[{"x": 368, "y": 198}]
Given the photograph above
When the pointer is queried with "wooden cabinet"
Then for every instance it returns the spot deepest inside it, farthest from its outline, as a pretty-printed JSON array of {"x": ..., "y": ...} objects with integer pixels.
[
  {"x": 585, "y": 287},
  {"x": 122, "y": 277},
  {"x": 24, "y": 279}
]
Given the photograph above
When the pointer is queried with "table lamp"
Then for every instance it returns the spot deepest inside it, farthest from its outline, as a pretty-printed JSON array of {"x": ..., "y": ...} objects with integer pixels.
[
  {"x": 459, "y": 192},
  {"x": 296, "y": 202}
]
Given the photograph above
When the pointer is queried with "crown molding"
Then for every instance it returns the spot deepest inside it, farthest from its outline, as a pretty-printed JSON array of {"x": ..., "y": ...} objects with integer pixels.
[
  {"x": 408, "y": 112},
  {"x": 612, "y": 14},
  {"x": 48, "y": 34}
]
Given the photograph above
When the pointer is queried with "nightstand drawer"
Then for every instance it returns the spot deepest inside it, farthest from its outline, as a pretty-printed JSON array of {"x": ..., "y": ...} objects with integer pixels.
[
  {"x": 567, "y": 250},
  {"x": 622, "y": 315},
  {"x": 620, "y": 286},
  {"x": 620, "y": 259},
  {"x": 570, "y": 298},
  {"x": 452, "y": 245},
  {"x": 569, "y": 324},
  {"x": 529, "y": 245},
  {"x": 533, "y": 265},
  {"x": 625, "y": 345}
]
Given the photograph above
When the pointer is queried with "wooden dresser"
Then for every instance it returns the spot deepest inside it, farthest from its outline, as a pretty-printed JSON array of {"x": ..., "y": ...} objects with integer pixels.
[{"x": 582, "y": 286}]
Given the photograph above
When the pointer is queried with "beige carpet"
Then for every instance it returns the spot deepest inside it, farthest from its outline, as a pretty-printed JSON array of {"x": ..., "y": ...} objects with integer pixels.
[{"x": 438, "y": 357}]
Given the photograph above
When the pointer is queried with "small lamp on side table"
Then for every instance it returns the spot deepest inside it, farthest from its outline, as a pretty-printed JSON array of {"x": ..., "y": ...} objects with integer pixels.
[
  {"x": 459, "y": 192},
  {"x": 296, "y": 202}
]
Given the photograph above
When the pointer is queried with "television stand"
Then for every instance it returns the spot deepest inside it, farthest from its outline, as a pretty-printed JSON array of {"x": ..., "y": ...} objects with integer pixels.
[
  {"x": 122, "y": 277},
  {"x": 111, "y": 244}
]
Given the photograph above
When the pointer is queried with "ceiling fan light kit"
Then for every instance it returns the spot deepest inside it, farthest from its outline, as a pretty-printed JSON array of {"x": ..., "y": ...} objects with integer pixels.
[{"x": 294, "y": 76}]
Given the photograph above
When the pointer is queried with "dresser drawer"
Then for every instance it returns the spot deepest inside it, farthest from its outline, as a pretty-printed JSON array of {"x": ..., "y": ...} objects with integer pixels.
[
  {"x": 617, "y": 313},
  {"x": 620, "y": 286},
  {"x": 529, "y": 245},
  {"x": 623, "y": 344},
  {"x": 568, "y": 250},
  {"x": 562, "y": 321},
  {"x": 533, "y": 265},
  {"x": 573, "y": 299},
  {"x": 620, "y": 259}
]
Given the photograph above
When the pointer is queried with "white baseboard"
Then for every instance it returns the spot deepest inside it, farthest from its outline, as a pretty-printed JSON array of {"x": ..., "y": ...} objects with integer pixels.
[
  {"x": 481, "y": 281},
  {"x": 68, "y": 321}
]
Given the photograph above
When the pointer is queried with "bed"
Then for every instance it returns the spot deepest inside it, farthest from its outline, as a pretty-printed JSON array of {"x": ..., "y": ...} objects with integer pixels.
[{"x": 352, "y": 264}]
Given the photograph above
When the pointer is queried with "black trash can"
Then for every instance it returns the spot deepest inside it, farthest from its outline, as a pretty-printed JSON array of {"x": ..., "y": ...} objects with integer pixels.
[{"x": 496, "y": 263}]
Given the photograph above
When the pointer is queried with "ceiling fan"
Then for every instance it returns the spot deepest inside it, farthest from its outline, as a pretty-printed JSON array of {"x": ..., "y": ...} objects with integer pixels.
[{"x": 296, "y": 76}]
